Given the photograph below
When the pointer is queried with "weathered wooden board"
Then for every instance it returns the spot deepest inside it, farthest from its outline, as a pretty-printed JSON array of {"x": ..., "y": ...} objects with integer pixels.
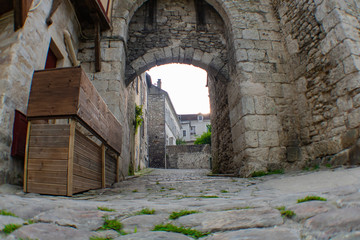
[
  {"x": 110, "y": 169},
  {"x": 46, "y": 188},
  {"x": 87, "y": 164},
  {"x": 21, "y": 9},
  {"x": 48, "y": 166},
  {"x": 47, "y": 163},
  {"x": 67, "y": 92}
]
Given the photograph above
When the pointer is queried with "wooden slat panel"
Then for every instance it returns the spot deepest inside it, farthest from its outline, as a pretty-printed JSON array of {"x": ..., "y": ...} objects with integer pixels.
[
  {"x": 86, "y": 142},
  {"x": 110, "y": 179},
  {"x": 87, "y": 162},
  {"x": 68, "y": 92},
  {"x": 47, "y": 165},
  {"x": 71, "y": 158},
  {"x": 48, "y": 153},
  {"x": 103, "y": 170},
  {"x": 108, "y": 124},
  {"x": 45, "y": 130},
  {"x": 46, "y": 188},
  {"x": 83, "y": 184},
  {"x": 53, "y": 177},
  {"x": 49, "y": 141},
  {"x": 54, "y": 92},
  {"x": 48, "y": 159},
  {"x": 110, "y": 168},
  {"x": 26, "y": 157},
  {"x": 86, "y": 172},
  {"x": 21, "y": 9}
]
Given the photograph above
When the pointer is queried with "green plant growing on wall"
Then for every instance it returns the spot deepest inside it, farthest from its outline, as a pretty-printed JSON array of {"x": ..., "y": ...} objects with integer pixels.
[
  {"x": 138, "y": 117},
  {"x": 205, "y": 138}
]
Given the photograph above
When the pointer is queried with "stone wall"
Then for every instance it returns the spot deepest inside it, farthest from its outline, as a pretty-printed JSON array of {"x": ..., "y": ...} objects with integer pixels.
[
  {"x": 21, "y": 53},
  {"x": 156, "y": 123},
  {"x": 322, "y": 39},
  {"x": 138, "y": 90},
  {"x": 164, "y": 31},
  {"x": 258, "y": 99},
  {"x": 221, "y": 138},
  {"x": 188, "y": 156},
  {"x": 172, "y": 123}
]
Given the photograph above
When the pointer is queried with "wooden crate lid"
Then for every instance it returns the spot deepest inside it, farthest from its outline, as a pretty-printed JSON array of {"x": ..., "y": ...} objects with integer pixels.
[{"x": 68, "y": 92}]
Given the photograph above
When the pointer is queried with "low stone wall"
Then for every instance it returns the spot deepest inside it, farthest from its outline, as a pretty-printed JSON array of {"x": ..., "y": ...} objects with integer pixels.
[{"x": 188, "y": 156}]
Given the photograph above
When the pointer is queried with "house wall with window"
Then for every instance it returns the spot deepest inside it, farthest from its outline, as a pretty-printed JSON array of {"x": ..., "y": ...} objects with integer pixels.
[
  {"x": 163, "y": 124},
  {"x": 21, "y": 52},
  {"x": 194, "y": 125},
  {"x": 138, "y": 91}
]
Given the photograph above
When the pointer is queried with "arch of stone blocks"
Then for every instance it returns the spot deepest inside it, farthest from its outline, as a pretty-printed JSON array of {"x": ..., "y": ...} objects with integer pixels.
[
  {"x": 206, "y": 49},
  {"x": 214, "y": 65},
  {"x": 251, "y": 72}
]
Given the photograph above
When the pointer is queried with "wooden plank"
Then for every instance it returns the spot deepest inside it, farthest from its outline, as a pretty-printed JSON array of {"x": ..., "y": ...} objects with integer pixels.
[
  {"x": 26, "y": 156},
  {"x": 21, "y": 9},
  {"x": 52, "y": 177},
  {"x": 86, "y": 172},
  {"x": 86, "y": 142},
  {"x": 47, "y": 165},
  {"x": 103, "y": 171},
  {"x": 87, "y": 162},
  {"x": 46, "y": 188},
  {"x": 117, "y": 169},
  {"x": 82, "y": 184},
  {"x": 91, "y": 151},
  {"x": 71, "y": 158},
  {"x": 54, "y": 130},
  {"x": 54, "y": 92},
  {"x": 68, "y": 92},
  {"x": 97, "y": 47},
  {"x": 48, "y": 153},
  {"x": 6, "y": 6},
  {"x": 49, "y": 141}
]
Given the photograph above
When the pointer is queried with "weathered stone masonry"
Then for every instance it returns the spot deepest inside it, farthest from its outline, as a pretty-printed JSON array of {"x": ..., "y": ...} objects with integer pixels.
[{"x": 322, "y": 39}]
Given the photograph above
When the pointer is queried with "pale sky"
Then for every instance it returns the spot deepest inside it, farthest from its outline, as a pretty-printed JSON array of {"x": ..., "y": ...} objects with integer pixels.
[{"x": 185, "y": 85}]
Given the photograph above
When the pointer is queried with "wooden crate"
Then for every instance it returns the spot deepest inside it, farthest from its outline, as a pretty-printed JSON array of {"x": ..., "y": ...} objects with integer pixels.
[
  {"x": 73, "y": 140},
  {"x": 61, "y": 160},
  {"x": 65, "y": 92}
]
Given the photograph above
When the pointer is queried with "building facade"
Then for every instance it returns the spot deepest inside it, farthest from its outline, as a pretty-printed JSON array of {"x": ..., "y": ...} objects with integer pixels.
[
  {"x": 193, "y": 126},
  {"x": 163, "y": 124},
  {"x": 138, "y": 97}
]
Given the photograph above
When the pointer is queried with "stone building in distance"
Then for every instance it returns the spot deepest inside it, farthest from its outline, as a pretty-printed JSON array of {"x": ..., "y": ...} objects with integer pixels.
[
  {"x": 163, "y": 125},
  {"x": 284, "y": 76}
]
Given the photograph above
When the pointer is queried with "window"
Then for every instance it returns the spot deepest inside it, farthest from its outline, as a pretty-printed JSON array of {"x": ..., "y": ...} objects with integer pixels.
[
  {"x": 184, "y": 133},
  {"x": 200, "y": 118},
  {"x": 50, "y": 60},
  {"x": 192, "y": 130},
  {"x": 54, "y": 57}
]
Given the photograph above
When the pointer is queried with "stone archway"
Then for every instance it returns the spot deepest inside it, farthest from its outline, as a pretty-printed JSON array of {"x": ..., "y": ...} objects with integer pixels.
[
  {"x": 189, "y": 32},
  {"x": 244, "y": 55}
]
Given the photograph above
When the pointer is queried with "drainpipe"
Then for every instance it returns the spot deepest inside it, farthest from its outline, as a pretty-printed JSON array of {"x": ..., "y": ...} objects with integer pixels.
[{"x": 70, "y": 48}]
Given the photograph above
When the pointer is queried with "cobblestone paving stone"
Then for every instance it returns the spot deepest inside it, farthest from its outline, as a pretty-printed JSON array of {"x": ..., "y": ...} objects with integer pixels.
[{"x": 229, "y": 207}]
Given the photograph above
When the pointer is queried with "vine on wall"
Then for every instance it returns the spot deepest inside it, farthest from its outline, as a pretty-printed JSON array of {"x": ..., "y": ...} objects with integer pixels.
[{"x": 138, "y": 117}]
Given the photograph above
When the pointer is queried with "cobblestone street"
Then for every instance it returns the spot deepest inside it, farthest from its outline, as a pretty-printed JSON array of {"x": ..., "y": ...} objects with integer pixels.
[{"x": 228, "y": 208}]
